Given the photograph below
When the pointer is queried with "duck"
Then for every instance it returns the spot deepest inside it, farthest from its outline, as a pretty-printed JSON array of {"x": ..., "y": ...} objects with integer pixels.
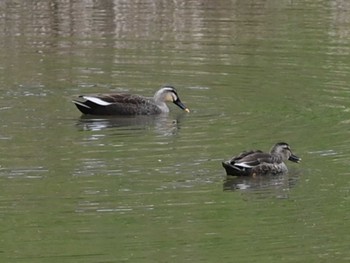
[
  {"x": 129, "y": 104},
  {"x": 257, "y": 162}
]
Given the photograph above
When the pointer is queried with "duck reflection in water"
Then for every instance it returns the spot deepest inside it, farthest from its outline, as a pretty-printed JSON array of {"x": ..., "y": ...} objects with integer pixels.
[
  {"x": 163, "y": 123},
  {"x": 276, "y": 185},
  {"x": 103, "y": 111},
  {"x": 252, "y": 170}
]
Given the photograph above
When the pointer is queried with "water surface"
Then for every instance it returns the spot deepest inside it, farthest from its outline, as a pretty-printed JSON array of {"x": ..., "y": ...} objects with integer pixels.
[{"x": 152, "y": 189}]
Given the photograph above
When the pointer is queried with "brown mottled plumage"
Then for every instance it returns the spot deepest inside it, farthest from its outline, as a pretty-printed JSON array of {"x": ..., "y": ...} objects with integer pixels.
[{"x": 258, "y": 163}]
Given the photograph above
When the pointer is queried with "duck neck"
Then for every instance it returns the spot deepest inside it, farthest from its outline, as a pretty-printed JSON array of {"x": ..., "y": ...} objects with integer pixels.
[
  {"x": 276, "y": 158},
  {"x": 162, "y": 106},
  {"x": 158, "y": 96}
]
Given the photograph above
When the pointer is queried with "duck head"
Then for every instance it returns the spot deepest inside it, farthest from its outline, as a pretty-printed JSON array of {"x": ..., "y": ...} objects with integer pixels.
[
  {"x": 283, "y": 149},
  {"x": 169, "y": 94}
]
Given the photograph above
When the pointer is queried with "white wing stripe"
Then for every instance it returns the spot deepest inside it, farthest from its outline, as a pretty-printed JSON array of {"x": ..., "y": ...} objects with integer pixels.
[
  {"x": 97, "y": 101},
  {"x": 245, "y": 165}
]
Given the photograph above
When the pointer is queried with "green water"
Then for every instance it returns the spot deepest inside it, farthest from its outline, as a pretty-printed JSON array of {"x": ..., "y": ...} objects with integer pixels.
[{"x": 152, "y": 189}]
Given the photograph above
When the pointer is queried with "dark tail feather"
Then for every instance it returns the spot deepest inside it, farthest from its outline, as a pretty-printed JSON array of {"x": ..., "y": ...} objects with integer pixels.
[
  {"x": 85, "y": 109},
  {"x": 233, "y": 170}
]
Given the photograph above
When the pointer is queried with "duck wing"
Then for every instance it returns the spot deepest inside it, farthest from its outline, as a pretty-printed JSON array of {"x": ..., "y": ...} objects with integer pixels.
[
  {"x": 107, "y": 99},
  {"x": 241, "y": 164},
  {"x": 251, "y": 159}
]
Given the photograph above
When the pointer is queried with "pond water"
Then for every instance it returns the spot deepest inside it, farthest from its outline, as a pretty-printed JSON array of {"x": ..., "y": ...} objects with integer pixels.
[{"x": 152, "y": 189}]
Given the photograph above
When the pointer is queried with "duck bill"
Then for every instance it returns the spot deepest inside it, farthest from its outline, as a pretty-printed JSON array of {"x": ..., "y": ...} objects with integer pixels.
[
  {"x": 181, "y": 105},
  {"x": 294, "y": 158}
]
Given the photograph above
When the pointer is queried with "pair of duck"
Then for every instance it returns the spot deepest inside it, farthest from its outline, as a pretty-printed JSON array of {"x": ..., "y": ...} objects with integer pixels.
[{"x": 248, "y": 163}]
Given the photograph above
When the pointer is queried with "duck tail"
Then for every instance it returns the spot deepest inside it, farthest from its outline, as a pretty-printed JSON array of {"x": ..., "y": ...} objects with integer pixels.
[
  {"x": 232, "y": 169},
  {"x": 82, "y": 106}
]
